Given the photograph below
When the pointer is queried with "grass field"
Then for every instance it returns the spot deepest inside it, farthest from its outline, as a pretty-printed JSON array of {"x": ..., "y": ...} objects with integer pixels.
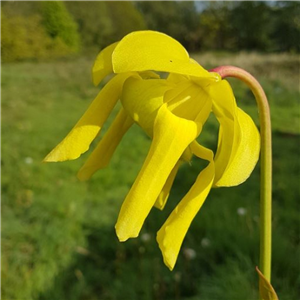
[{"x": 58, "y": 239}]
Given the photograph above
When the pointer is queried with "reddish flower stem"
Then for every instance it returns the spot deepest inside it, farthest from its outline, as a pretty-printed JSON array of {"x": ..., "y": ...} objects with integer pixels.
[{"x": 266, "y": 162}]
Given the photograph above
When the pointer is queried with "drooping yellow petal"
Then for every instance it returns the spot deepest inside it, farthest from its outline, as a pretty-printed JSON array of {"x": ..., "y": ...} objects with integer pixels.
[
  {"x": 105, "y": 149},
  {"x": 239, "y": 141},
  {"x": 152, "y": 50},
  {"x": 103, "y": 64},
  {"x": 84, "y": 132},
  {"x": 172, "y": 233},
  {"x": 224, "y": 108},
  {"x": 164, "y": 194},
  {"x": 142, "y": 98},
  {"x": 245, "y": 151},
  {"x": 171, "y": 136}
]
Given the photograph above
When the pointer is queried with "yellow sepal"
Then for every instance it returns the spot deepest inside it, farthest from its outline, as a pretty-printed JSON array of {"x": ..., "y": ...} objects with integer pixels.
[
  {"x": 152, "y": 50},
  {"x": 239, "y": 139},
  {"x": 172, "y": 233},
  {"x": 171, "y": 136},
  {"x": 165, "y": 192},
  {"x": 84, "y": 132},
  {"x": 142, "y": 98},
  {"x": 105, "y": 149},
  {"x": 103, "y": 64}
]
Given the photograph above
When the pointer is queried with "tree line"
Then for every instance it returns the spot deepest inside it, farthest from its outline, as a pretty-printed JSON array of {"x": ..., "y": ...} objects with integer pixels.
[{"x": 37, "y": 30}]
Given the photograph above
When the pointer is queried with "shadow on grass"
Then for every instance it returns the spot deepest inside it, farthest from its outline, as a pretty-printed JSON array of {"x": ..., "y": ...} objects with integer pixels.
[{"x": 218, "y": 256}]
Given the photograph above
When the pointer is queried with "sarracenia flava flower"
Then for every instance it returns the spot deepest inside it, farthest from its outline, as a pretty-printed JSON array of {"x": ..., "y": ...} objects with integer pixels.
[{"x": 172, "y": 111}]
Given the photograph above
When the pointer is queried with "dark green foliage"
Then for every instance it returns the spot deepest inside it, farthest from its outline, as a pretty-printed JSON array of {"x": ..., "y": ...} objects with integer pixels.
[
  {"x": 239, "y": 25},
  {"x": 94, "y": 23},
  {"x": 25, "y": 38},
  {"x": 125, "y": 18},
  {"x": 217, "y": 25},
  {"x": 102, "y": 22},
  {"x": 287, "y": 26},
  {"x": 25, "y": 8},
  {"x": 33, "y": 30},
  {"x": 176, "y": 18},
  {"x": 233, "y": 25},
  {"x": 215, "y": 30},
  {"x": 252, "y": 24},
  {"x": 59, "y": 23}
]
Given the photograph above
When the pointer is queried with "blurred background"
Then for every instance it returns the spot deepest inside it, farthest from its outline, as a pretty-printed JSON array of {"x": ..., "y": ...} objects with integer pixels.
[{"x": 58, "y": 239}]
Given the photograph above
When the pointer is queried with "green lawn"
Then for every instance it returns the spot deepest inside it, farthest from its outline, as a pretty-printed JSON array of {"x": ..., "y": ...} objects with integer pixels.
[{"x": 58, "y": 239}]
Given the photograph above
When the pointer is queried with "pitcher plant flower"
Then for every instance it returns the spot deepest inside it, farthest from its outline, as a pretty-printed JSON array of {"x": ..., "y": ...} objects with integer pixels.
[{"x": 172, "y": 109}]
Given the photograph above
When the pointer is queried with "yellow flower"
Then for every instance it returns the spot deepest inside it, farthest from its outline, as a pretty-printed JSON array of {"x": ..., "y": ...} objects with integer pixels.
[{"x": 172, "y": 112}]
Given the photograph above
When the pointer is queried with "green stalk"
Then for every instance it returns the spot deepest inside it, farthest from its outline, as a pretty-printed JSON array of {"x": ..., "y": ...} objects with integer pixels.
[{"x": 266, "y": 163}]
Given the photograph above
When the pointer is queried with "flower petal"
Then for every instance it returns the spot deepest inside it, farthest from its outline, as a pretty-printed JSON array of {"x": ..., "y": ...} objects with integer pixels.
[
  {"x": 142, "y": 98},
  {"x": 151, "y": 50},
  {"x": 165, "y": 192},
  {"x": 87, "y": 128},
  {"x": 102, "y": 154},
  {"x": 103, "y": 64},
  {"x": 171, "y": 136},
  {"x": 244, "y": 153},
  {"x": 188, "y": 100},
  {"x": 239, "y": 139},
  {"x": 172, "y": 233}
]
